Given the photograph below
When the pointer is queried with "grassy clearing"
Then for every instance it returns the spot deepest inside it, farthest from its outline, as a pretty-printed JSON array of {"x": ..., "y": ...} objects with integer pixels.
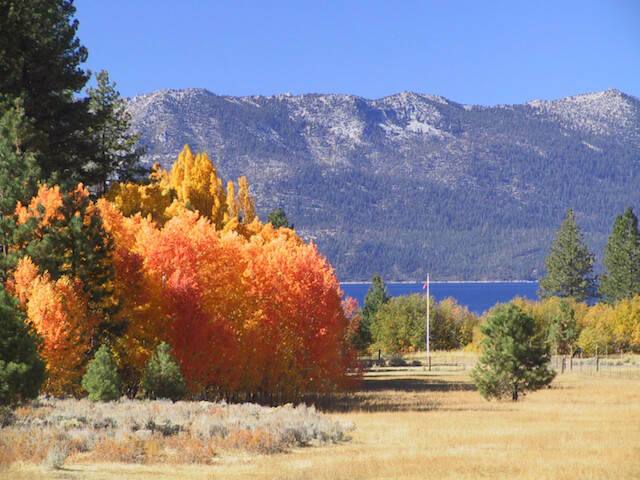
[{"x": 415, "y": 424}]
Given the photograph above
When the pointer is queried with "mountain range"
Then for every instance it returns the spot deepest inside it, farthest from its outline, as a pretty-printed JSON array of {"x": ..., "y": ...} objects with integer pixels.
[{"x": 411, "y": 183}]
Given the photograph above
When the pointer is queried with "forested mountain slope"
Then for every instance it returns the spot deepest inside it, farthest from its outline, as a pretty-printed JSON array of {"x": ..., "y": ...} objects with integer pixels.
[{"x": 413, "y": 183}]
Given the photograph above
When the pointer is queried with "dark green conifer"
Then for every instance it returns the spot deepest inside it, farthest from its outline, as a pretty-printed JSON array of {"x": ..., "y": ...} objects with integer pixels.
[
  {"x": 376, "y": 296},
  {"x": 515, "y": 356},
  {"x": 116, "y": 155},
  {"x": 102, "y": 381},
  {"x": 22, "y": 371},
  {"x": 75, "y": 138},
  {"x": 41, "y": 65},
  {"x": 622, "y": 260},
  {"x": 569, "y": 265},
  {"x": 278, "y": 218},
  {"x": 18, "y": 176},
  {"x": 162, "y": 377}
]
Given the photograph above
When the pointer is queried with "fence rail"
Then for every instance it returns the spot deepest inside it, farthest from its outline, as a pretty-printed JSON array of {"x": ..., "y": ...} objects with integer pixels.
[{"x": 614, "y": 366}]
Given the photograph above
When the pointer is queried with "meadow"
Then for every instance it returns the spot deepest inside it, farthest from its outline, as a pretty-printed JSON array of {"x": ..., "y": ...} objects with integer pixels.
[{"x": 410, "y": 423}]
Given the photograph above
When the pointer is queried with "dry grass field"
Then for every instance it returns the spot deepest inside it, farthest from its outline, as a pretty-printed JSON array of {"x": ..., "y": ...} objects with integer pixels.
[{"x": 413, "y": 424}]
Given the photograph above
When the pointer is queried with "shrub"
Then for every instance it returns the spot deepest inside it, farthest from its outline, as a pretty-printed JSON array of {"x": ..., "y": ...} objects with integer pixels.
[
  {"x": 397, "y": 361},
  {"x": 163, "y": 378},
  {"x": 155, "y": 431},
  {"x": 102, "y": 380},
  {"x": 7, "y": 417},
  {"x": 58, "y": 452}
]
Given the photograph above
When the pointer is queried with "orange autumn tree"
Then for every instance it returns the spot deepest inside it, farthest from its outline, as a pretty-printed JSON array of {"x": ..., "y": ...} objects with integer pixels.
[
  {"x": 57, "y": 310},
  {"x": 353, "y": 312},
  {"x": 64, "y": 236},
  {"x": 299, "y": 338}
]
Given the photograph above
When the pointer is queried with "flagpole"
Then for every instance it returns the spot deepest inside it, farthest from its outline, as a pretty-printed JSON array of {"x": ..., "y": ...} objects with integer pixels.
[{"x": 428, "y": 326}]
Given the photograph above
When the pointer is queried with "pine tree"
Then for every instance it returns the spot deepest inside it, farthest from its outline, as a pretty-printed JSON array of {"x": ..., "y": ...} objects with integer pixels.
[
  {"x": 163, "y": 378},
  {"x": 569, "y": 265},
  {"x": 514, "y": 356},
  {"x": 376, "y": 296},
  {"x": 116, "y": 154},
  {"x": 278, "y": 218},
  {"x": 622, "y": 260},
  {"x": 75, "y": 138},
  {"x": 22, "y": 371},
  {"x": 18, "y": 175},
  {"x": 102, "y": 381},
  {"x": 40, "y": 64}
]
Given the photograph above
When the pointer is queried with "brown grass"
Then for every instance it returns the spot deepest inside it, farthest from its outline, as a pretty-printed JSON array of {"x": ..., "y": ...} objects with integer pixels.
[{"x": 412, "y": 424}]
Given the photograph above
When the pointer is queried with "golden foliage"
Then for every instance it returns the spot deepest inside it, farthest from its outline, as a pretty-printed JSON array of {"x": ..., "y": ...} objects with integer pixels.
[{"x": 192, "y": 184}]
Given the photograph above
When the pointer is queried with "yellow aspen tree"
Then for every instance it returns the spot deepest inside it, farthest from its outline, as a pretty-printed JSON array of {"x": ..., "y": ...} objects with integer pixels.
[
  {"x": 246, "y": 204},
  {"x": 185, "y": 188},
  {"x": 196, "y": 184},
  {"x": 219, "y": 209},
  {"x": 148, "y": 200},
  {"x": 177, "y": 171},
  {"x": 160, "y": 176},
  {"x": 232, "y": 204}
]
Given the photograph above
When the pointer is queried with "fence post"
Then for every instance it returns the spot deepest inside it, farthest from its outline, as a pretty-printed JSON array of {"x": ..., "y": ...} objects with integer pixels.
[
  {"x": 597, "y": 360},
  {"x": 571, "y": 363}
]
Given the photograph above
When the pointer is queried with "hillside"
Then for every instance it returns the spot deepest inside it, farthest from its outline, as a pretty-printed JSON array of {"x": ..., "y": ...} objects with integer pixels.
[{"x": 413, "y": 183}]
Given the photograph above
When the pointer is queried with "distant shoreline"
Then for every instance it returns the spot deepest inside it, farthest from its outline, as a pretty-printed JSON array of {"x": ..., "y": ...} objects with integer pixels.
[{"x": 444, "y": 282}]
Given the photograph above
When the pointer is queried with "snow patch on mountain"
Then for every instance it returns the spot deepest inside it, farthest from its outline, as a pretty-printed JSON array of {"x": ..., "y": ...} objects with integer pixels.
[{"x": 605, "y": 113}]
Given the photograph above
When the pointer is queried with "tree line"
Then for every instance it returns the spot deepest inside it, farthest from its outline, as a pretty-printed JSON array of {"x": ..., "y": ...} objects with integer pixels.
[
  {"x": 577, "y": 313},
  {"x": 397, "y": 325}
]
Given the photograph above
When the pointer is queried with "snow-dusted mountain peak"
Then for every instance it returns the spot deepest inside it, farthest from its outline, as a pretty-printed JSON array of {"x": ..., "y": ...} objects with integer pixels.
[{"x": 607, "y": 112}]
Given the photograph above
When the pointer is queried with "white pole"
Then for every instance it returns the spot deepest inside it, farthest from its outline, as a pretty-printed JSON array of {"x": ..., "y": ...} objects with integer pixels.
[{"x": 428, "y": 326}]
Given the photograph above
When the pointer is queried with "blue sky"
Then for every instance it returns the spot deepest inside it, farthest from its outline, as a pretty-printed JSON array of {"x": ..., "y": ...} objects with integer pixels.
[{"x": 473, "y": 52}]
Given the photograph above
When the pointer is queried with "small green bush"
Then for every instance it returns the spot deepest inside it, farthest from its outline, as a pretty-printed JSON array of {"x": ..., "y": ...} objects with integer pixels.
[
  {"x": 163, "y": 378},
  {"x": 102, "y": 380},
  {"x": 397, "y": 361}
]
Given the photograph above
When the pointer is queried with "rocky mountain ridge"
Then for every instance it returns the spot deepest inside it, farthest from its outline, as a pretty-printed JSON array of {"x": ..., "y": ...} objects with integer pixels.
[{"x": 409, "y": 183}]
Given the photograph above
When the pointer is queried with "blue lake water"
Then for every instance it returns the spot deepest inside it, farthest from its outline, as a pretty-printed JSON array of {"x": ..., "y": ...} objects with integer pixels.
[{"x": 478, "y": 297}]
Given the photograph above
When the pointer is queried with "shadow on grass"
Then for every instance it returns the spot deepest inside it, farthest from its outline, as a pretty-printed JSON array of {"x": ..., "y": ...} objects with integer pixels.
[
  {"x": 414, "y": 384},
  {"x": 389, "y": 394}
]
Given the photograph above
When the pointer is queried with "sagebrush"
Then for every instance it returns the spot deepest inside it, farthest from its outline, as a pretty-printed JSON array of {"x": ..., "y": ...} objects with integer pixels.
[{"x": 133, "y": 431}]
